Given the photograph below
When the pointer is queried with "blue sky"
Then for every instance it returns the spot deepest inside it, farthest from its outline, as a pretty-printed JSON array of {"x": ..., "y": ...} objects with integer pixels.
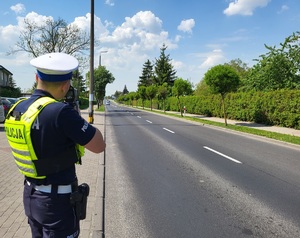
[{"x": 199, "y": 34}]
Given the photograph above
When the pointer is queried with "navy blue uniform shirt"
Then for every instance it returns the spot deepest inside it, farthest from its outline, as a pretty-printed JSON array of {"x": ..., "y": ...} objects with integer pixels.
[{"x": 57, "y": 127}]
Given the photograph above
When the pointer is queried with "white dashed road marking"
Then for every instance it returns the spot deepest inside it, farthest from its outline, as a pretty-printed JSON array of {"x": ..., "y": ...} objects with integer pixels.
[
  {"x": 225, "y": 156},
  {"x": 168, "y": 130}
]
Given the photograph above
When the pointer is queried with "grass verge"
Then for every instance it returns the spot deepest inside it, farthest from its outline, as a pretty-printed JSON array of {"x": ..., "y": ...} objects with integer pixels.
[{"x": 100, "y": 109}]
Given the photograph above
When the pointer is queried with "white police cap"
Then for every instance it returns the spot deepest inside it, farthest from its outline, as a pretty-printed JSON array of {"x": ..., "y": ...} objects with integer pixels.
[{"x": 55, "y": 67}]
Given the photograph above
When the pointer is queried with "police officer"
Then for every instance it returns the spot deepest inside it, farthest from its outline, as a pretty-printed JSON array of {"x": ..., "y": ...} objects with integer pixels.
[{"x": 47, "y": 139}]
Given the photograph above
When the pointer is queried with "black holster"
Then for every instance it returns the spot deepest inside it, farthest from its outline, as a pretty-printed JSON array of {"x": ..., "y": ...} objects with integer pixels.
[{"x": 79, "y": 200}]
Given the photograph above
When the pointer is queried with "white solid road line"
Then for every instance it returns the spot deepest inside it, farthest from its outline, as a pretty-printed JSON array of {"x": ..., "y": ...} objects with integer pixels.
[
  {"x": 168, "y": 130},
  {"x": 225, "y": 156}
]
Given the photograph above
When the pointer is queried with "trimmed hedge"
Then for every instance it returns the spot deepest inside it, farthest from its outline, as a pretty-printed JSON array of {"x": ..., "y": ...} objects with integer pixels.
[{"x": 280, "y": 108}]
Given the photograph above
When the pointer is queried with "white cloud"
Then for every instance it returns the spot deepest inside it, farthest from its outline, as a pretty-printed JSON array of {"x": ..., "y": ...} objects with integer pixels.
[
  {"x": 177, "y": 64},
  {"x": 143, "y": 31},
  {"x": 83, "y": 22},
  {"x": 144, "y": 20},
  {"x": 18, "y": 8},
  {"x": 186, "y": 25},
  {"x": 212, "y": 58},
  {"x": 283, "y": 9},
  {"x": 177, "y": 38},
  {"x": 34, "y": 18},
  {"x": 244, "y": 7},
  {"x": 109, "y": 2},
  {"x": 7, "y": 34}
]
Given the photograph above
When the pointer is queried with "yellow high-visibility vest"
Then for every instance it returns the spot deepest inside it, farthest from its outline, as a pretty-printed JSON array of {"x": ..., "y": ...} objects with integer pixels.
[{"x": 18, "y": 133}]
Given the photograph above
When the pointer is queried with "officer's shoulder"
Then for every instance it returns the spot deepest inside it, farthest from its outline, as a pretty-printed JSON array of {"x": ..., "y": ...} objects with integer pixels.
[
  {"x": 57, "y": 107},
  {"x": 65, "y": 108}
]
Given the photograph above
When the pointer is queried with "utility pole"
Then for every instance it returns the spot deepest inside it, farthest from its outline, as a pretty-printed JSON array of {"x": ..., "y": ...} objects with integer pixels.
[
  {"x": 102, "y": 51},
  {"x": 91, "y": 97}
]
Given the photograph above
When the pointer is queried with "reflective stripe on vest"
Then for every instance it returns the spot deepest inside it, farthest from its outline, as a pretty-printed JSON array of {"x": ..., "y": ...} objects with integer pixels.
[{"x": 18, "y": 134}]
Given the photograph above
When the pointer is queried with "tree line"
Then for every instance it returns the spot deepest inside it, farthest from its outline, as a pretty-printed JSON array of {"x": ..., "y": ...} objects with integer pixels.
[
  {"x": 158, "y": 80},
  {"x": 278, "y": 69}
]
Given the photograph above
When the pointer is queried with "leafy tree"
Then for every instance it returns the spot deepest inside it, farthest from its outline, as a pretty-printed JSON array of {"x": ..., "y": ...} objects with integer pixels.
[
  {"x": 202, "y": 89},
  {"x": 131, "y": 96},
  {"x": 181, "y": 88},
  {"x": 10, "y": 92},
  {"x": 137, "y": 97},
  {"x": 271, "y": 74},
  {"x": 52, "y": 36},
  {"x": 291, "y": 49},
  {"x": 122, "y": 98},
  {"x": 242, "y": 70},
  {"x": 162, "y": 93},
  {"x": 151, "y": 92},
  {"x": 240, "y": 67},
  {"x": 147, "y": 74},
  {"x": 11, "y": 82},
  {"x": 79, "y": 83},
  {"x": 142, "y": 94},
  {"x": 279, "y": 68},
  {"x": 117, "y": 94},
  {"x": 164, "y": 72},
  {"x": 102, "y": 77},
  {"x": 222, "y": 79}
]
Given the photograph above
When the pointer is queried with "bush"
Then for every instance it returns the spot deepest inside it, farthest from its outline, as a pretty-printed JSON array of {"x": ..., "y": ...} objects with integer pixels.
[
  {"x": 10, "y": 92},
  {"x": 281, "y": 108},
  {"x": 83, "y": 103}
]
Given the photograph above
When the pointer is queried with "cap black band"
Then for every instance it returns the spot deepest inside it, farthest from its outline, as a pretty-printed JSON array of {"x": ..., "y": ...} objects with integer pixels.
[{"x": 53, "y": 77}]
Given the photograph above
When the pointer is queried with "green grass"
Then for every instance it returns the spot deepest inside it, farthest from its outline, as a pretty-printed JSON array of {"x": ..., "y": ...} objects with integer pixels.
[
  {"x": 101, "y": 108},
  {"x": 272, "y": 135}
]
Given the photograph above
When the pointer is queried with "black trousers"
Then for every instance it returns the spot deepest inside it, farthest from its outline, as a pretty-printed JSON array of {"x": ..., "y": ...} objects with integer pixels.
[{"x": 50, "y": 215}]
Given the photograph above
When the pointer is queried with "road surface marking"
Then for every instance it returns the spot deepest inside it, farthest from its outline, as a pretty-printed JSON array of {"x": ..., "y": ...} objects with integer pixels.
[
  {"x": 225, "y": 156},
  {"x": 168, "y": 130},
  {"x": 149, "y": 121},
  {"x": 138, "y": 117}
]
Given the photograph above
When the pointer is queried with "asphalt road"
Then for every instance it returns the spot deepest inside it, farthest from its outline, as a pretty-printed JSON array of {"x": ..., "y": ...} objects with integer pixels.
[{"x": 170, "y": 178}]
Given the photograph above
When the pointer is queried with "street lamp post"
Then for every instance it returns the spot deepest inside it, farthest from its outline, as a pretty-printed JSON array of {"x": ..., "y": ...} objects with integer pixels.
[
  {"x": 101, "y": 52},
  {"x": 91, "y": 97}
]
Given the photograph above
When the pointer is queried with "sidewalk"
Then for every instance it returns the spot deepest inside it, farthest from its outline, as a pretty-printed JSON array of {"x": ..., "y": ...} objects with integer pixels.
[
  {"x": 282, "y": 130},
  {"x": 13, "y": 222}
]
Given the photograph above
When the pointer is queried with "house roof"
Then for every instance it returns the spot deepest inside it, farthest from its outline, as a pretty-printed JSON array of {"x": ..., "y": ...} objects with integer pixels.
[{"x": 5, "y": 70}]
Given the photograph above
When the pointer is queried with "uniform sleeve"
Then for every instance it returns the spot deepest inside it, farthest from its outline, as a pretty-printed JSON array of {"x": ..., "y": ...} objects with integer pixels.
[{"x": 75, "y": 127}]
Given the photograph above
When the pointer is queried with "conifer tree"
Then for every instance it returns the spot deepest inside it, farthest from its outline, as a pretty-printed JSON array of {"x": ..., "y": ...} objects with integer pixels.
[
  {"x": 147, "y": 75},
  {"x": 11, "y": 82},
  {"x": 125, "y": 90},
  {"x": 79, "y": 83},
  {"x": 164, "y": 72}
]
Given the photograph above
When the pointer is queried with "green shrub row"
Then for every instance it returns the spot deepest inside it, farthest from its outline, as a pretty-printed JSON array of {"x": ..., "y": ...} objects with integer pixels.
[
  {"x": 10, "y": 92},
  {"x": 83, "y": 102},
  {"x": 280, "y": 108}
]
